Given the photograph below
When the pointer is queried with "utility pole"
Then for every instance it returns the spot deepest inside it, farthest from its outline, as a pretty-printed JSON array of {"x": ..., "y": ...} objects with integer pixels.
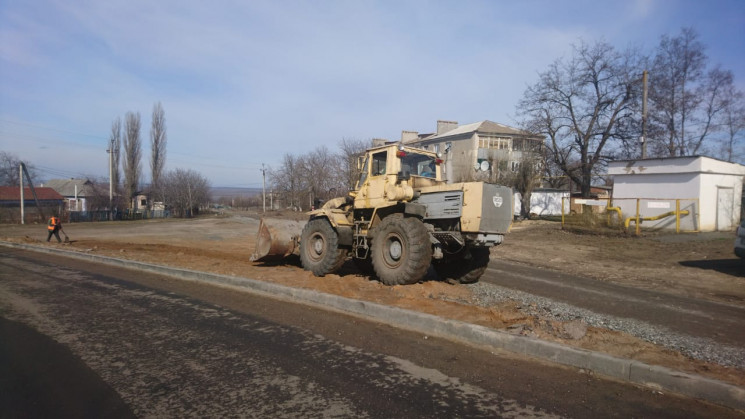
[
  {"x": 644, "y": 114},
  {"x": 263, "y": 185},
  {"x": 111, "y": 179},
  {"x": 33, "y": 191},
  {"x": 23, "y": 213}
]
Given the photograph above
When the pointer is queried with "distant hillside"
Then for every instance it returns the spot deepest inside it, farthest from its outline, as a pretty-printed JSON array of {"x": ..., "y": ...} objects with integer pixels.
[{"x": 226, "y": 192}]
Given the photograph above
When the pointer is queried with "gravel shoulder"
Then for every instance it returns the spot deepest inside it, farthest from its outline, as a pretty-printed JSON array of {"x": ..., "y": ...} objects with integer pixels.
[{"x": 699, "y": 266}]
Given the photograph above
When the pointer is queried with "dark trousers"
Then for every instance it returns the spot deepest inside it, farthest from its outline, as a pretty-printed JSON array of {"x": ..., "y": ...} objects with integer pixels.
[{"x": 56, "y": 234}]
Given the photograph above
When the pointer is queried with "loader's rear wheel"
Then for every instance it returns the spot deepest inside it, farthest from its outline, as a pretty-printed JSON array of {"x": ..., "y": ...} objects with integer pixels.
[
  {"x": 319, "y": 248},
  {"x": 465, "y": 269},
  {"x": 401, "y": 250}
]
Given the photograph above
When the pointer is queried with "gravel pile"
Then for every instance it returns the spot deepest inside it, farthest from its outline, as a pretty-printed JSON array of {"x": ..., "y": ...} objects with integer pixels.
[{"x": 704, "y": 349}]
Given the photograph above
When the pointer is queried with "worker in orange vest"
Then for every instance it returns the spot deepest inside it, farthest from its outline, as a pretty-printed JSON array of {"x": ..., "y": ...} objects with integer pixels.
[{"x": 54, "y": 225}]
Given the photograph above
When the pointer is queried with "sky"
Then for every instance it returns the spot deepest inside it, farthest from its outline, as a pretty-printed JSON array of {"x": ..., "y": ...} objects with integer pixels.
[{"x": 244, "y": 82}]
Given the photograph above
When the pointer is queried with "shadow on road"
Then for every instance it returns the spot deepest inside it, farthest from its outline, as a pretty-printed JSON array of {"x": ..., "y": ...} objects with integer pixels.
[
  {"x": 734, "y": 267},
  {"x": 42, "y": 378}
]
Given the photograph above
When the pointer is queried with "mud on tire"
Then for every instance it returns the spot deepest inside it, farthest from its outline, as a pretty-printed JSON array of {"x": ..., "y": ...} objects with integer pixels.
[
  {"x": 319, "y": 248},
  {"x": 401, "y": 250}
]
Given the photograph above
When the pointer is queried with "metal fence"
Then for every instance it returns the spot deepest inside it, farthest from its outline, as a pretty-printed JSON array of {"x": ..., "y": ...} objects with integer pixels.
[
  {"x": 88, "y": 216},
  {"x": 679, "y": 214}
]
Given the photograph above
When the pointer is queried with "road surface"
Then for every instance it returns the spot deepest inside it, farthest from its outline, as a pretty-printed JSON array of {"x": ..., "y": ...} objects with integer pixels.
[
  {"x": 81, "y": 339},
  {"x": 720, "y": 322}
]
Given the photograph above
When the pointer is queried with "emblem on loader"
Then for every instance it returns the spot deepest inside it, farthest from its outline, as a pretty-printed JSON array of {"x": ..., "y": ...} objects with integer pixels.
[{"x": 497, "y": 201}]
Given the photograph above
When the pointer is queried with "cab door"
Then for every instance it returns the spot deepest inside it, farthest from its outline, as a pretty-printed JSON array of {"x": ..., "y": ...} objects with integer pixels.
[{"x": 373, "y": 181}]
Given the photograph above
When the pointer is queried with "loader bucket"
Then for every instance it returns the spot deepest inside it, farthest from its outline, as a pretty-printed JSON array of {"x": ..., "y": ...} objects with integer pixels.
[{"x": 277, "y": 239}]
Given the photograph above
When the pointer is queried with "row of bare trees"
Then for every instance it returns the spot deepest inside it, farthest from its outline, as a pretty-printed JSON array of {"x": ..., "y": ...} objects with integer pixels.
[
  {"x": 301, "y": 181},
  {"x": 182, "y": 191},
  {"x": 589, "y": 107}
]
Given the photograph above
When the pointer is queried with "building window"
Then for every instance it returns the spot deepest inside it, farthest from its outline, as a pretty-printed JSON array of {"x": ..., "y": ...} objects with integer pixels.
[
  {"x": 495, "y": 143},
  {"x": 515, "y": 166}
]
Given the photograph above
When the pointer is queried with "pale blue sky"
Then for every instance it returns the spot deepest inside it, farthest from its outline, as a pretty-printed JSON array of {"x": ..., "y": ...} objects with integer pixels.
[{"x": 243, "y": 82}]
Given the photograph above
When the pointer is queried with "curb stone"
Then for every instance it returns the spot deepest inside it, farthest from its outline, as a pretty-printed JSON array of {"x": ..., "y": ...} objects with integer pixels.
[{"x": 656, "y": 377}]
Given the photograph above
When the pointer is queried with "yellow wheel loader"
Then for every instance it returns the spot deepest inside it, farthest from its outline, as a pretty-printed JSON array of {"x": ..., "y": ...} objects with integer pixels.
[{"x": 401, "y": 218}]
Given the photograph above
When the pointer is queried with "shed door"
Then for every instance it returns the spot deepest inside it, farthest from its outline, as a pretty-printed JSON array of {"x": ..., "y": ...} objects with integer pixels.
[{"x": 725, "y": 208}]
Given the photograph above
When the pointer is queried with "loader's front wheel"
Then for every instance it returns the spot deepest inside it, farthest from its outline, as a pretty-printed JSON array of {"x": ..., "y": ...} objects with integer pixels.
[
  {"x": 319, "y": 248},
  {"x": 401, "y": 250}
]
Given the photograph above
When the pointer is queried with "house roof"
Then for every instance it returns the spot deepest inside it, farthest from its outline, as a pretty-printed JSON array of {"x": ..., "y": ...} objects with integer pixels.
[
  {"x": 13, "y": 193},
  {"x": 482, "y": 127},
  {"x": 66, "y": 187}
]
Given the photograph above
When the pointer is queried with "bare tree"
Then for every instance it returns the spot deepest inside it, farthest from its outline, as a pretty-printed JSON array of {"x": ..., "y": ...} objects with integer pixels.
[
  {"x": 579, "y": 104},
  {"x": 322, "y": 177},
  {"x": 9, "y": 170},
  {"x": 552, "y": 173},
  {"x": 115, "y": 144},
  {"x": 158, "y": 140},
  {"x": 349, "y": 152},
  {"x": 684, "y": 98},
  {"x": 526, "y": 178},
  {"x": 132, "y": 154},
  {"x": 287, "y": 182},
  {"x": 186, "y": 192},
  {"x": 732, "y": 120}
]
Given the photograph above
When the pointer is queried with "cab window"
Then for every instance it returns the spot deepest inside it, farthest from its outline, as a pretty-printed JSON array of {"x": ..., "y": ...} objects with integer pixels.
[
  {"x": 363, "y": 174},
  {"x": 378, "y": 163}
]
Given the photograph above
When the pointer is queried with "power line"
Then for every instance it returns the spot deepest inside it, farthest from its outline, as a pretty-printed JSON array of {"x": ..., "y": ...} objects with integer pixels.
[
  {"x": 50, "y": 128},
  {"x": 58, "y": 172}
]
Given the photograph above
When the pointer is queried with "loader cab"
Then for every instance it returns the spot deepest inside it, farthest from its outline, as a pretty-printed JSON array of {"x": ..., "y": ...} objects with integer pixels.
[{"x": 389, "y": 173}]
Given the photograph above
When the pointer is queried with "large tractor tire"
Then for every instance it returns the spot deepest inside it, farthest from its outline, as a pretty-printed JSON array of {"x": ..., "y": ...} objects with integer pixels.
[
  {"x": 465, "y": 269},
  {"x": 401, "y": 250},
  {"x": 319, "y": 248}
]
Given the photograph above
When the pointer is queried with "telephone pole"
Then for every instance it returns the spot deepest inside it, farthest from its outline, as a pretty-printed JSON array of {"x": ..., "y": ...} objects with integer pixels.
[
  {"x": 111, "y": 179},
  {"x": 20, "y": 176},
  {"x": 263, "y": 185},
  {"x": 644, "y": 114}
]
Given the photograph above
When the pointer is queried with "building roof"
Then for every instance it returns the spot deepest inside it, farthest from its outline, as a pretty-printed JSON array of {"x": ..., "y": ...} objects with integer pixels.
[
  {"x": 673, "y": 165},
  {"x": 13, "y": 193},
  {"x": 482, "y": 127},
  {"x": 66, "y": 187}
]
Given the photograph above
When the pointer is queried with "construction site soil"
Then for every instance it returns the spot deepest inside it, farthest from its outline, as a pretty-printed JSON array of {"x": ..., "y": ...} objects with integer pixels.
[{"x": 698, "y": 265}]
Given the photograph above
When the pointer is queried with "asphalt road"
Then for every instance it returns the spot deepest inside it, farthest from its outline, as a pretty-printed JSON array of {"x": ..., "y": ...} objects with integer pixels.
[
  {"x": 720, "y": 322},
  {"x": 84, "y": 340}
]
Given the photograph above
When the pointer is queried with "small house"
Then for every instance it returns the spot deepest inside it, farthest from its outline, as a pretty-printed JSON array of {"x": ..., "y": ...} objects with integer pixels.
[
  {"x": 78, "y": 193},
  {"x": 49, "y": 200}
]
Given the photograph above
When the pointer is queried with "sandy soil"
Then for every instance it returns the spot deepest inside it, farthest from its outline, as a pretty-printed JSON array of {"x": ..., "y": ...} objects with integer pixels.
[{"x": 698, "y": 265}]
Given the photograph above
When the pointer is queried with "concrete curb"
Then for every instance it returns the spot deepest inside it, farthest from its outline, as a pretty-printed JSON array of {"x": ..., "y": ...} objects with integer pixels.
[{"x": 656, "y": 377}]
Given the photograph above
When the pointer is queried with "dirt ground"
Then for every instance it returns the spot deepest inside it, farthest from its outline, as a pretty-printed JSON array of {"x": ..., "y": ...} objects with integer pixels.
[{"x": 696, "y": 265}]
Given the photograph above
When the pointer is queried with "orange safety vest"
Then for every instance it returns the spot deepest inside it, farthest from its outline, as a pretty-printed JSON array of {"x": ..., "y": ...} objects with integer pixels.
[{"x": 53, "y": 222}]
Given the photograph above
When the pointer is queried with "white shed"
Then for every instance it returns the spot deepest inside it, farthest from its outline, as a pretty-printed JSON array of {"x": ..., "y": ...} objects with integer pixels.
[
  {"x": 544, "y": 202},
  {"x": 710, "y": 189}
]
